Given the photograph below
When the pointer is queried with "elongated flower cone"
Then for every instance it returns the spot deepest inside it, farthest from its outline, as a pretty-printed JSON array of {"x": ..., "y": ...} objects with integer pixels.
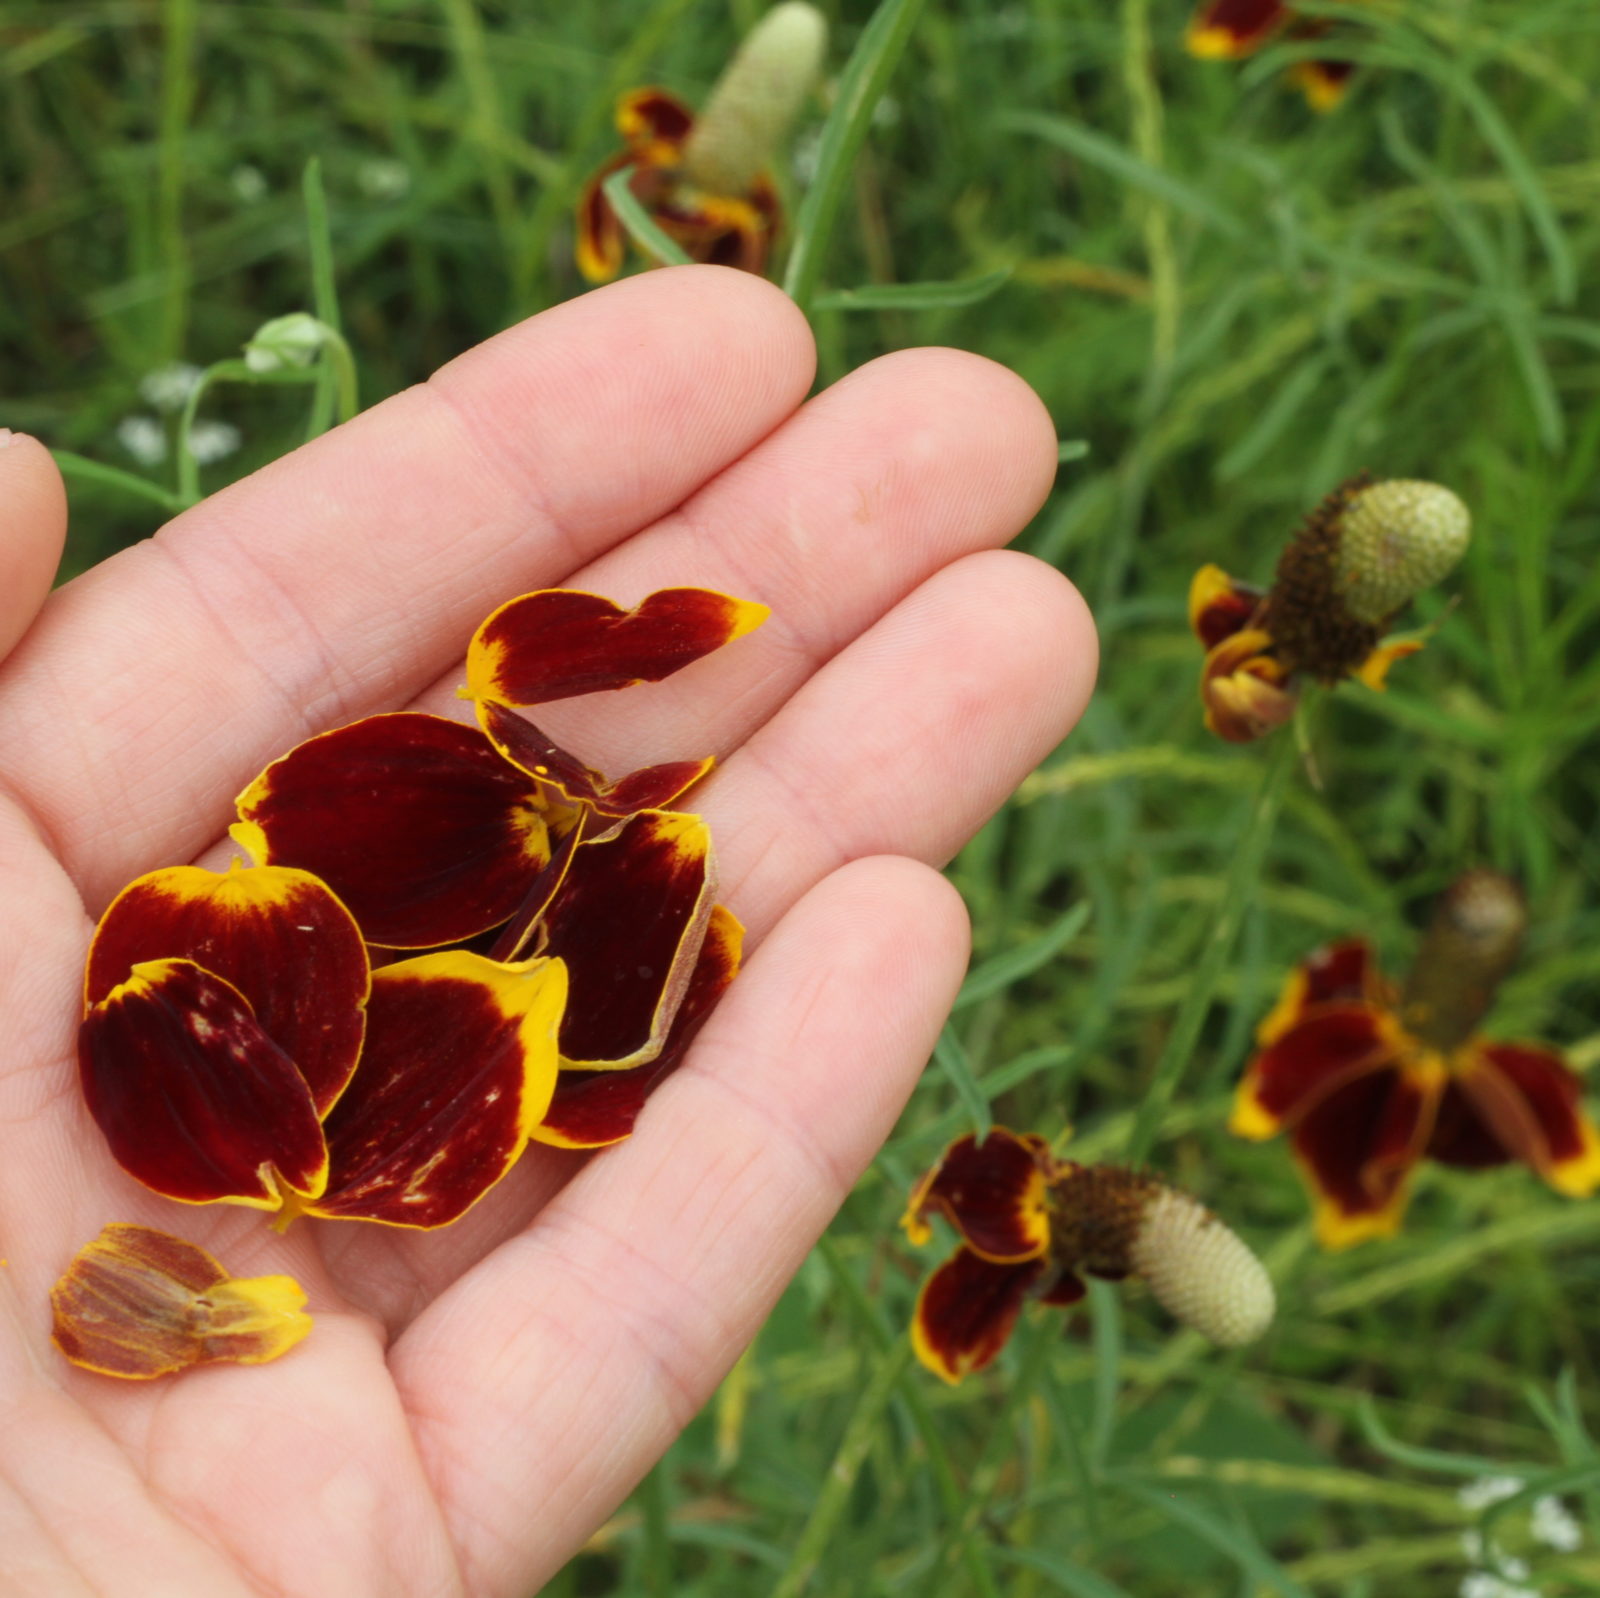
[
  {"x": 756, "y": 100},
  {"x": 1396, "y": 539},
  {"x": 1200, "y": 1272}
]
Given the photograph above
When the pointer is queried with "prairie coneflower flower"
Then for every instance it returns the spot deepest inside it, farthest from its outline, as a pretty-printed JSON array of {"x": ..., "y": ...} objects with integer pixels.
[
  {"x": 1229, "y": 30},
  {"x": 1363, "y": 554},
  {"x": 1031, "y": 1225},
  {"x": 1370, "y": 1079},
  {"x": 704, "y": 179}
]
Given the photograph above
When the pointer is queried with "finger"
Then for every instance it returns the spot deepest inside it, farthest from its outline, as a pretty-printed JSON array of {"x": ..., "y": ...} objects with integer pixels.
[
  {"x": 346, "y": 577},
  {"x": 903, "y": 744},
  {"x": 605, "y": 1326},
  {"x": 33, "y": 527}
]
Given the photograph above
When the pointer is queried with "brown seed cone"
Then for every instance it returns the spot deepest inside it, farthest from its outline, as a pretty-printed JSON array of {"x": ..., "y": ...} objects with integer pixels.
[
  {"x": 1311, "y": 627},
  {"x": 1474, "y": 940}
]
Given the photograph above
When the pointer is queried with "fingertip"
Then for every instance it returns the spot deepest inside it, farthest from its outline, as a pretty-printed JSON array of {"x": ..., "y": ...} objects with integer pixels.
[{"x": 33, "y": 529}]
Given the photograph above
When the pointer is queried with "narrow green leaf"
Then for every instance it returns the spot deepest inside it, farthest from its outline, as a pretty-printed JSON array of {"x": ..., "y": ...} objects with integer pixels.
[
  {"x": 1111, "y": 157},
  {"x": 861, "y": 85},
  {"x": 637, "y": 222},
  {"x": 1067, "y": 1576},
  {"x": 1384, "y": 1442},
  {"x": 90, "y": 471},
  {"x": 1071, "y": 449},
  {"x": 953, "y": 1060},
  {"x": 914, "y": 296},
  {"x": 997, "y": 974}
]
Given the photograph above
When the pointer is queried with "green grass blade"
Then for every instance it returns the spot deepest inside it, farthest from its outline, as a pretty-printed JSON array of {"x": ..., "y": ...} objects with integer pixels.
[
  {"x": 952, "y": 1059},
  {"x": 638, "y": 224},
  {"x": 996, "y": 975},
  {"x": 914, "y": 296},
  {"x": 861, "y": 85}
]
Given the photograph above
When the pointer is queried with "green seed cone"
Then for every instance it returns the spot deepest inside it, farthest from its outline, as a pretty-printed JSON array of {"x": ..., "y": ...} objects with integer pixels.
[
  {"x": 756, "y": 99},
  {"x": 1396, "y": 539}
]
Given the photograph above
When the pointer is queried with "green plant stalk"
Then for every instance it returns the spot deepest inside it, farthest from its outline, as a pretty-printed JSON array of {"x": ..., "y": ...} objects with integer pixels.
[
  {"x": 179, "y": 22},
  {"x": 655, "y": 1546},
  {"x": 236, "y": 371},
  {"x": 84, "y": 470},
  {"x": 336, "y": 384},
  {"x": 952, "y": 1498},
  {"x": 1243, "y": 874},
  {"x": 861, "y": 86}
]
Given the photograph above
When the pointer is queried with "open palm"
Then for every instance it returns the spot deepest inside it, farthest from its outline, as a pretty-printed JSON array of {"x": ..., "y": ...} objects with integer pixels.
[{"x": 474, "y": 1401}]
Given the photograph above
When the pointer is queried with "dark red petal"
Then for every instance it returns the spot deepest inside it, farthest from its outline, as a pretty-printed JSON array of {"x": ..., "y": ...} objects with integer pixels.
[
  {"x": 993, "y": 1193},
  {"x": 600, "y": 244},
  {"x": 1324, "y": 83},
  {"x": 1219, "y": 606},
  {"x": 558, "y": 642},
  {"x": 1358, "y": 1147},
  {"x": 1460, "y": 1138},
  {"x": 966, "y": 1310},
  {"x": 652, "y": 116},
  {"x": 417, "y": 823},
  {"x": 1246, "y": 691},
  {"x": 139, "y": 1303},
  {"x": 1228, "y": 29},
  {"x": 1065, "y": 1291},
  {"x": 1314, "y": 1058},
  {"x": 652, "y": 788},
  {"x": 629, "y": 920},
  {"x": 594, "y": 1108},
  {"x": 1531, "y": 1103},
  {"x": 524, "y": 932},
  {"x": 196, "y": 1100},
  {"x": 278, "y": 935},
  {"x": 459, "y": 1066}
]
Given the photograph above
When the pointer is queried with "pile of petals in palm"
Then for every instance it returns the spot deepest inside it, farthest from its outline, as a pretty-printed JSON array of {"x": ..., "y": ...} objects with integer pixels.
[{"x": 452, "y": 939}]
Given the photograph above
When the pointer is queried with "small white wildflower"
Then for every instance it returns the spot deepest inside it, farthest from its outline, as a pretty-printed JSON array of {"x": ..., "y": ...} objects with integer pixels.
[
  {"x": 383, "y": 178},
  {"x": 249, "y": 183},
  {"x": 1485, "y": 1490},
  {"x": 1472, "y": 1546},
  {"x": 212, "y": 441},
  {"x": 169, "y": 386},
  {"x": 144, "y": 438},
  {"x": 1555, "y": 1525},
  {"x": 886, "y": 112},
  {"x": 1202, "y": 1273},
  {"x": 291, "y": 340},
  {"x": 1511, "y": 1568}
]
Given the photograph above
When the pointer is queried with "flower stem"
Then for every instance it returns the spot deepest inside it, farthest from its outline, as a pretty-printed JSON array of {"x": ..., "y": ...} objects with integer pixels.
[{"x": 1238, "y": 892}]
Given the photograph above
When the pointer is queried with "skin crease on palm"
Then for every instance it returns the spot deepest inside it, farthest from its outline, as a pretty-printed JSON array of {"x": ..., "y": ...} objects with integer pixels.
[{"x": 473, "y": 1402}]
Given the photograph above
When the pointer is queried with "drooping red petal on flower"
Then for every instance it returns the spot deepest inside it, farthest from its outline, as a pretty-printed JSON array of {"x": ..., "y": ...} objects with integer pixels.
[
  {"x": 1065, "y": 1291},
  {"x": 459, "y": 1067},
  {"x": 140, "y": 1303},
  {"x": 966, "y": 1311},
  {"x": 419, "y": 826},
  {"x": 601, "y": 245},
  {"x": 1338, "y": 973},
  {"x": 1246, "y": 691},
  {"x": 1228, "y": 29},
  {"x": 558, "y": 642},
  {"x": 1531, "y": 1104},
  {"x": 1358, "y": 1146},
  {"x": 629, "y": 920},
  {"x": 1459, "y": 1136},
  {"x": 195, "y": 1100},
  {"x": 722, "y": 229},
  {"x": 1314, "y": 1058},
  {"x": 993, "y": 1193},
  {"x": 591, "y": 1109},
  {"x": 277, "y": 935},
  {"x": 1219, "y": 606},
  {"x": 652, "y": 119},
  {"x": 651, "y": 788},
  {"x": 1324, "y": 83}
]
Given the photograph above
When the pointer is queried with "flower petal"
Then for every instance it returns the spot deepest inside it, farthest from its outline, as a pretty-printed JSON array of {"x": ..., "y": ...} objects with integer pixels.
[
  {"x": 525, "y": 746},
  {"x": 1531, "y": 1103},
  {"x": 1225, "y": 30},
  {"x": 1358, "y": 1147},
  {"x": 994, "y": 1193},
  {"x": 1313, "y": 1059},
  {"x": 594, "y": 1108},
  {"x": 966, "y": 1310},
  {"x": 1245, "y": 690},
  {"x": 278, "y": 935},
  {"x": 1219, "y": 607},
  {"x": 558, "y": 642},
  {"x": 415, "y": 822},
  {"x": 1334, "y": 974},
  {"x": 600, "y": 246},
  {"x": 1374, "y": 670},
  {"x": 140, "y": 1303},
  {"x": 195, "y": 1100},
  {"x": 629, "y": 920},
  {"x": 1325, "y": 84},
  {"x": 653, "y": 123},
  {"x": 459, "y": 1067}
]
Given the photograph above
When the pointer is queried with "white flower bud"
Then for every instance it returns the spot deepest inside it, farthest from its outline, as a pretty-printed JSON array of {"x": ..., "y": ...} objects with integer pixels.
[
  {"x": 756, "y": 99},
  {"x": 1200, "y": 1272},
  {"x": 1395, "y": 539},
  {"x": 291, "y": 340}
]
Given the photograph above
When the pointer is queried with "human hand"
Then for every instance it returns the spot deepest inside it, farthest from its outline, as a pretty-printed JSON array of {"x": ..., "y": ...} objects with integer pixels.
[{"x": 474, "y": 1401}]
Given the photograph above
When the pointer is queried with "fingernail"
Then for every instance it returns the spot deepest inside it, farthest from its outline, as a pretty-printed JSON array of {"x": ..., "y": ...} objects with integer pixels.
[{"x": 8, "y": 438}]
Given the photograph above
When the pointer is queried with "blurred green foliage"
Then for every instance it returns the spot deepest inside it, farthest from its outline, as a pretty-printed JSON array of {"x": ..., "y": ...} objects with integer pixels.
[{"x": 1235, "y": 303}]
